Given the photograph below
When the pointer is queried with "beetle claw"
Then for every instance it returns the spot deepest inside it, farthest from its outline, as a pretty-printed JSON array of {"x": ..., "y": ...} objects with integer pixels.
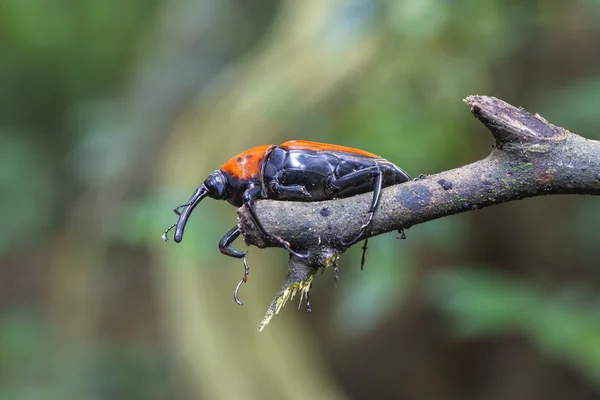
[
  {"x": 364, "y": 255},
  {"x": 286, "y": 245},
  {"x": 235, "y": 293},
  {"x": 361, "y": 232},
  {"x": 244, "y": 280}
]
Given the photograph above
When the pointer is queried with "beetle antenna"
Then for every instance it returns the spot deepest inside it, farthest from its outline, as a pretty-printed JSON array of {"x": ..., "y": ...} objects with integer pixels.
[
  {"x": 176, "y": 209},
  {"x": 200, "y": 193},
  {"x": 244, "y": 280},
  {"x": 164, "y": 235}
]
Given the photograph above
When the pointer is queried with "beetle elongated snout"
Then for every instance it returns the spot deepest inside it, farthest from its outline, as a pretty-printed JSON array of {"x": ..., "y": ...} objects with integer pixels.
[
  {"x": 198, "y": 195},
  {"x": 214, "y": 186}
]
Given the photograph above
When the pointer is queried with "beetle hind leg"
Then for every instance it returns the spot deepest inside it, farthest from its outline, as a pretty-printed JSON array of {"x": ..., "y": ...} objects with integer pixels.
[{"x": 376, "y": 195}]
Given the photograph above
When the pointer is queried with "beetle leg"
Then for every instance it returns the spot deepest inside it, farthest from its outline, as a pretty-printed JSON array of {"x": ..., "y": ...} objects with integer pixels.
[
  {"x": 338, "y": 184},
  {"x": 364, "y": 254},
  {"x": 276, "y": 238},
  {"x": 297, "y": 191},
  {"x": 374, "y": 171},
  {"x": 225, "y": 247},
  {"x": 249, "y": 195},
  {"x": 225, "y": 244},
  {"x": 244, "y": 280}
]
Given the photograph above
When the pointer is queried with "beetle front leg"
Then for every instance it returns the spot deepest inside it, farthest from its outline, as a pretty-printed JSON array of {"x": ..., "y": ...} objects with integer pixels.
[
  {"x": 244, "y": 280},
  {"x": 248, "y": 198},
  {"x": 225, "y": 247},
  {"x": 228, "y": 239}
]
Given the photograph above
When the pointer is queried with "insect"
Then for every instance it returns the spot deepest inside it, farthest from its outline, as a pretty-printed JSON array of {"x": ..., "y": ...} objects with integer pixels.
[{"x": 297, "y": 170}]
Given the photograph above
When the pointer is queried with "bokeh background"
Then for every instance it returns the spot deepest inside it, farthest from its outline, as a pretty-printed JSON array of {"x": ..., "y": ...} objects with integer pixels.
[{"x": 112, "y": 112}]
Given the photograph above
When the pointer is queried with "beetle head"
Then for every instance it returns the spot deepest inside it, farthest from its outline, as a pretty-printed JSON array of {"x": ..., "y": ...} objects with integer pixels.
[{"x": 214, "y": 186}]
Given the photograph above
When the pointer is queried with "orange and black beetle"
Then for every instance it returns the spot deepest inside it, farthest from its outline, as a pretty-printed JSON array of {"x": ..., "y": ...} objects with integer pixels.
[{"x": 297, "y": 170}]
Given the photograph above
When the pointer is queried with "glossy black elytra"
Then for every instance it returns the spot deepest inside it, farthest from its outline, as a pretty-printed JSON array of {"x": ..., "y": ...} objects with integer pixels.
[{"x": 297, "y": 170}]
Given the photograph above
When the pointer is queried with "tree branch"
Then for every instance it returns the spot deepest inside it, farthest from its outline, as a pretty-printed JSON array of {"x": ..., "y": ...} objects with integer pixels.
[{"x": 531, "y": 157}]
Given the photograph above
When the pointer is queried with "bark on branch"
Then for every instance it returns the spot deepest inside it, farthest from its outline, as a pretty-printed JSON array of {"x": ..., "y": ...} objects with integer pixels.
[{"x": 531, "y": 157}]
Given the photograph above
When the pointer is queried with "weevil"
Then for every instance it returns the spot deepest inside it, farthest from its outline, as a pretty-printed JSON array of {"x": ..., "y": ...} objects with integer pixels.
[{"x": 296, "y": 170}]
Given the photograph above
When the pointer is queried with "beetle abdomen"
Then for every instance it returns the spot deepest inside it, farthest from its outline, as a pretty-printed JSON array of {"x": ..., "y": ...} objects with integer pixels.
[{"x": 318, "y": 170}]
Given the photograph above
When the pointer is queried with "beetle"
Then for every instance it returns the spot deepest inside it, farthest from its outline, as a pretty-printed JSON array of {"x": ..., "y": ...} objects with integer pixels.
[{"x": 296, "y": 170}]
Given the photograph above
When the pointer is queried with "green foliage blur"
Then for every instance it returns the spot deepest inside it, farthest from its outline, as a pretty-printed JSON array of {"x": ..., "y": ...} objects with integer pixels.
[{"x": 112, "y": 113}]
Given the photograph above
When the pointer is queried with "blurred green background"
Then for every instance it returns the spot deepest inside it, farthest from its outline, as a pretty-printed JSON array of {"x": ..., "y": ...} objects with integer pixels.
[{"x": 112, "y": 112}]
